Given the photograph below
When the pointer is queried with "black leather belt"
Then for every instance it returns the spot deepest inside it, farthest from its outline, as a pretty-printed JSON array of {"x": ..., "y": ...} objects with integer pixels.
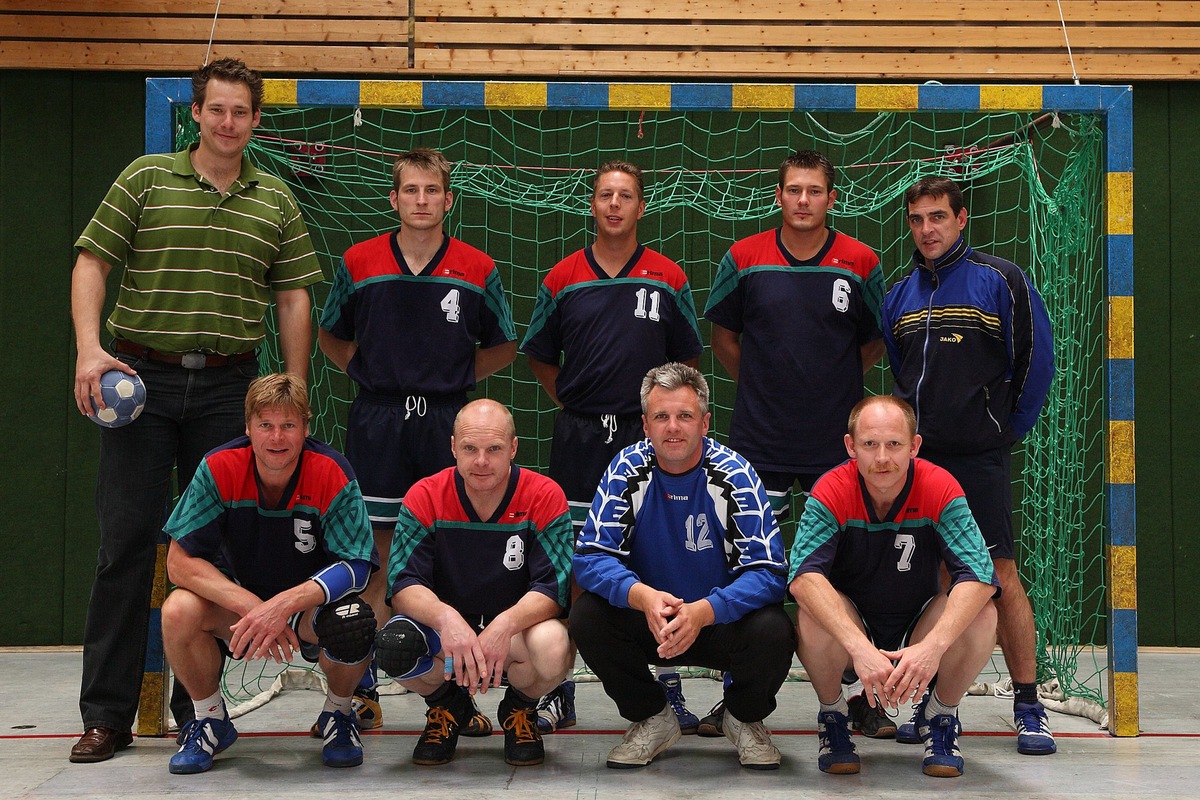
[{"x": 194, "y": 360}]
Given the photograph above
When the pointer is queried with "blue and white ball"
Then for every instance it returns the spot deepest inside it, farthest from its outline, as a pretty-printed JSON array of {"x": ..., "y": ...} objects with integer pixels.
[{"x": 124, "y": 398}]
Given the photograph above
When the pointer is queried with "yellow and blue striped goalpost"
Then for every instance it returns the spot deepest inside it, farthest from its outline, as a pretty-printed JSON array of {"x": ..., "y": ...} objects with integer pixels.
[{"x": 1112, "y": 106}]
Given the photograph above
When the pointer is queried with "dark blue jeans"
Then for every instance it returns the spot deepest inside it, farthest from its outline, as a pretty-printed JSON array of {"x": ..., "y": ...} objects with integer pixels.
[{"x": 187, "y": 413}]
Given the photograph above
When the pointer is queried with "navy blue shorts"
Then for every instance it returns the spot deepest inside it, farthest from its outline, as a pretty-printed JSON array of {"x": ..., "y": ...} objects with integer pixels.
[
  {"x": 986, "y": 481},
  {"x": 583, "y": 447},
  {"x": 779, "y": 490},
  {"x": 394, "y": 442}
]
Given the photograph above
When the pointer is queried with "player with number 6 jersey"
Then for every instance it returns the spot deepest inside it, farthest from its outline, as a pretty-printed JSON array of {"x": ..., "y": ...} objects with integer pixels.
[{"x": 795, "y": 313}]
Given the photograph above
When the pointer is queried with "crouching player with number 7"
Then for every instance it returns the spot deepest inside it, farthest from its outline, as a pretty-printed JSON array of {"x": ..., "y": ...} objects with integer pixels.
[
  {"x": 270, "y": 546},
  {"x": 866, "y": 568},
  {"x": 480, "y": 572}
]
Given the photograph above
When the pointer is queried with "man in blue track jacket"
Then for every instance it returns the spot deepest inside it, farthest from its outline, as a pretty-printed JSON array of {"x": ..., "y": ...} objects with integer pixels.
[{"x": 971, "y": 348}]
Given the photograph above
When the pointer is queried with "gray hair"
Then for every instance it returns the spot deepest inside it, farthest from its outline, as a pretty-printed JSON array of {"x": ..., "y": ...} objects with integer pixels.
[{"x": 674, "y": 376}]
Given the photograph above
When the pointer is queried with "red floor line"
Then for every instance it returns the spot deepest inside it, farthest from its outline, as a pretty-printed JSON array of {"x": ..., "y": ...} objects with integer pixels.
[{"x": 615, "y": 732}]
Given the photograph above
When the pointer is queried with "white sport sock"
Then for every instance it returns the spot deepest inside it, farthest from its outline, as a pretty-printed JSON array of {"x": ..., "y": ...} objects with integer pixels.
[
  {"x": 840, "y": 705},
  {"x": 212, "y": 707},
  {"x": 935, "y": 707},
  {"x": 335, "y": 702}
]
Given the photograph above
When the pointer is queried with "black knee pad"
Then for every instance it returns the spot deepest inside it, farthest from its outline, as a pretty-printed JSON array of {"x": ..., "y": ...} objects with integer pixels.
[
  {"x": 346, "y": 629},
  {"x": 405, "y": 648}
]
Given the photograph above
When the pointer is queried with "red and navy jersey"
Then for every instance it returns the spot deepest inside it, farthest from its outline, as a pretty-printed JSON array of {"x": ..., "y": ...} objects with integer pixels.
[
  {"x": 890, "y": 566},
  {"x": 483, "y": 567},
  {"x": 610, "y": 331},
  {"x": 417, "y": 334},
  {"x": 802, "y": 324},
  {"x": 320, "y": 518}
]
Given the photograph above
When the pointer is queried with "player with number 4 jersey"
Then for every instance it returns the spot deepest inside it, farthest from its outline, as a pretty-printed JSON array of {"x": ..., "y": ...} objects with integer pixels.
[{"x": 416, "y": 318}]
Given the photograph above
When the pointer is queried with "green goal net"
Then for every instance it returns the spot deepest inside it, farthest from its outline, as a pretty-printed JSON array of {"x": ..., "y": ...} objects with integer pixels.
[{"x": 1035, "y": 191}]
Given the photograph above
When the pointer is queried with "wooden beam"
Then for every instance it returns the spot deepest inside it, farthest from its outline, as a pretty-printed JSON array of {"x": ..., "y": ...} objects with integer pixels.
[
  {"x": 146, "y": 57},
  {"x": 874, "y": 37},
  {"x": 606, "y": 65},
  {"x": 801, "y": 66},
  {"x": 1077, "y": 12},
  {"x": 385, "y": 9},
  {"x": 158, "y": 28}
]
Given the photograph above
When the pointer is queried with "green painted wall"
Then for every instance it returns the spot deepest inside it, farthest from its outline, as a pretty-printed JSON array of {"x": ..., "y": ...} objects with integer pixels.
[{"x": 64, "y": 137}]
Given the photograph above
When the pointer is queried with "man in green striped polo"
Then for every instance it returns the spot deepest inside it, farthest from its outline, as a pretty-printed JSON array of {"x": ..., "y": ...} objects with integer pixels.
[{"x": 207, "y": 241}]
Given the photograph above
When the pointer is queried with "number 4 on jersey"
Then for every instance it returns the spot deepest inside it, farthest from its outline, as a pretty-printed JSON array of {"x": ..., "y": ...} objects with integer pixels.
[{"x": 450, "y": 305}]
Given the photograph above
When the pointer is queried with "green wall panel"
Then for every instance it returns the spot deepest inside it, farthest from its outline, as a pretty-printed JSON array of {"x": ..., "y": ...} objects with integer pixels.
[
  {"x": 63, "y": 138},
  {"x": 1178, "y": 385}
]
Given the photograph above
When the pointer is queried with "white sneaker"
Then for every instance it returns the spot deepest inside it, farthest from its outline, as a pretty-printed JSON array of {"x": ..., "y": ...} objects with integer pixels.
[
  {"x": 753, "y": 742},
  {"x": 646, "y": 739}
]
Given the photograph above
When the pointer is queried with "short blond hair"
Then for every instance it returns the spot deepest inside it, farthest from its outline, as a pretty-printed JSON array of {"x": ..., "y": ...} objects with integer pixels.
[
  {"x": 280, "y": 390},
  {"x": 910, "y": 416}
]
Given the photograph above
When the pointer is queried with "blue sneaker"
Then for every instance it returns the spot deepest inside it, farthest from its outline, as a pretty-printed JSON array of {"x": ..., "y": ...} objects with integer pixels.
[
  {"x": 673, "y": 687},
  {"x": 342, "y": 747},
  {"x": 836, "y": 754},
  {"x": 1033, "y": 730},
  {"x": 556, "y": 710},
  {"x": 940, "y": 735},
  {"x": 202, "y": 739},
  {"x": 907, "y": 733}
]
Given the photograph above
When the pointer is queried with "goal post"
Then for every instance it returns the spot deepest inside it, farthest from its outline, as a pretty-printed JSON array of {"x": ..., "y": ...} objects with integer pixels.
[{"x": 1048, "y": 175}]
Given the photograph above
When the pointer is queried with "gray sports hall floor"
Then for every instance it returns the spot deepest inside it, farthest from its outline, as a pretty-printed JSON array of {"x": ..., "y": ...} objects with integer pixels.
[{"x": 273, "y": 758}]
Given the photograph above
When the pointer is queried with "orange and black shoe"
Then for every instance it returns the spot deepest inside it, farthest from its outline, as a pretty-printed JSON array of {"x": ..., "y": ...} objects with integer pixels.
[
  {"x": 440, "y": 737},
  {"x": 478, "y": 723},
  {"x": 523, "y": 745}
]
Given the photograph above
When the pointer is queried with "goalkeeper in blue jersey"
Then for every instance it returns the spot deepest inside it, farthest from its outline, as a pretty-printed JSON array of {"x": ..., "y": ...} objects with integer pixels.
[
  {"x": 866, "y": 575},
  {"x": 681, "y": 562},
  {"x": 271, "y": 545}
]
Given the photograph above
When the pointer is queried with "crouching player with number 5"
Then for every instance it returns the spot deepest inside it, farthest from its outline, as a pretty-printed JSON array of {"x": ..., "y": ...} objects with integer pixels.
[
  {"x": 271, "y": 545},
  {"x": 866, "y": 575},
  {"x": 479, "y": 576}
]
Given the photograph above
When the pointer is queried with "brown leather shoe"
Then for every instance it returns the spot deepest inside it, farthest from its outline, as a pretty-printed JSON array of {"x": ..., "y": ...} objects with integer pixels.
[{"x": 99, "y": 744}]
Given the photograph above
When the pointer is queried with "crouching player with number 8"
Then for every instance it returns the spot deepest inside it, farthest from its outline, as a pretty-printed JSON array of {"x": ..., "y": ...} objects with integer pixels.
[
  {"x": 479, "y": 576},
  {"x": 866, "y": 575},
  {"x": 270, "y": 547},
  {"x": 415, "y": 318}
]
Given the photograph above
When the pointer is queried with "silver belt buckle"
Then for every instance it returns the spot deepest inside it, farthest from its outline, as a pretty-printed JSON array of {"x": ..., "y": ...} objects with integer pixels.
[{"x": 193, "y": 360}]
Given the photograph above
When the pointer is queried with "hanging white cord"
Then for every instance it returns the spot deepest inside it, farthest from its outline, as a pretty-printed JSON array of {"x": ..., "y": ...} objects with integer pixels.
[
  {"x": 213, "y": 32},
  {"x": 1066, "y": 39}
]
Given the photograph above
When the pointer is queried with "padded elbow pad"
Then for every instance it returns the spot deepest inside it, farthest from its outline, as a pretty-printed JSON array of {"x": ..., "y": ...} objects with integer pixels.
[{"x": 346, "y": 629}]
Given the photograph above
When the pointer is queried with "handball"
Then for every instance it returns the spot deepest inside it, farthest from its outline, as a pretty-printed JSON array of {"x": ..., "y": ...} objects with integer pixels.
[{"x": 124, "y": 397}]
